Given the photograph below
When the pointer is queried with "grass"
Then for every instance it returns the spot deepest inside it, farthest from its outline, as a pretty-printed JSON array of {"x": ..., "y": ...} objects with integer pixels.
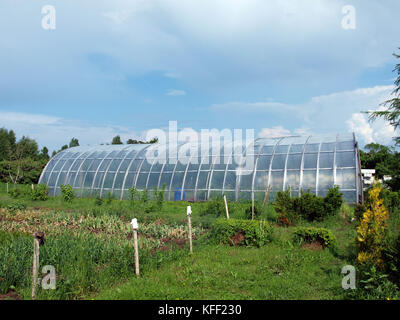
[{"x": 91, "y": 247}]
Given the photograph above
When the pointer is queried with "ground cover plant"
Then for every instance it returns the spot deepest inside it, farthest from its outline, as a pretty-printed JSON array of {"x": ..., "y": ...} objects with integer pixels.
[{"x": 89, "y": 241}]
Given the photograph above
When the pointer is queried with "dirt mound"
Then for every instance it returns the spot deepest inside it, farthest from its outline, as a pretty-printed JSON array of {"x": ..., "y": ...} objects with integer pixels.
[
  {"x": 316, "y": 245},
  {"x": 237, "y": 239}
]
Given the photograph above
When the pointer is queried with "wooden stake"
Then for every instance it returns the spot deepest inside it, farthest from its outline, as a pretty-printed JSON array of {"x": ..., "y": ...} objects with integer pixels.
[
  {"x": 266, "y": 196},
  {"x": 7, "y": 187},
  {"x": 252, "y": 206},
  {"x": 226, "y": 207},
  {"x": 135, "y": 244},
  {"x": 38, "y": 240},
  {"x": 189, "y": 214},
  {"x": 135, "y": 239},
  {"x": 32, "y": 186}
]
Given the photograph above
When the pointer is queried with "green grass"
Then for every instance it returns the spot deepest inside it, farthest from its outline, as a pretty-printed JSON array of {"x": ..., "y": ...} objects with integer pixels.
[
  {"x": 223, "y": 272},
  {"x": 92, "y": 251}
]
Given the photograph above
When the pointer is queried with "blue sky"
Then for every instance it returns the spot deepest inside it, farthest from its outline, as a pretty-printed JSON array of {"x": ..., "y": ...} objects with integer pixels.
[{"x": 125, "y": 67}]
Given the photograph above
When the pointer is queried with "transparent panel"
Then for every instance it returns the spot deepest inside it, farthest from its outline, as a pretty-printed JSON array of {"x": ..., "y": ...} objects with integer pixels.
[
  {"x": 124, "y": 165},
  {"x": 326, "y": 160},
  {"x": 261, "y": 180},
  {"x": 296, "y": 148},
  {"x": 244, "y": 196},
  {"x": 349, "y": 196},
  {"x": 94, "y": 165},
  {"x": 201, "y": 195},
  {"x": 277, "y": 180},
  {"x": 345, "y": 159},
  {"x": 177, "y": 181},
  {"x": 345, "y": 145},
  {"x": 279, "y": 161},
  {"x": 246, "y": 180},
  {"x": 181, "y": 166},
  {"x": 135, "y": 165},
  {"x": 108, "y": 182},
  {"x": 169, "y": 167},
  {"x": 104, "y": 165},
  {"x": 119, "y": 180},
  {"x": 142, "y": 180},
  {"x": 328, "y": 147},
  {"x": 294, "y": 161},
  {"x": 230, "y": 195},
  {"x": 153, "y": 180},
  {"x": 156, "y": 167},
  {"x": 61, "y": 178},
  {"x": 309, "y": 179},
  {"x": 79, "y": 179},
  {"x": 88, "y": 180},
  {"x": 59, "y": 165},
  {"x": 230, "y": 180},
  {"x": 202, "y": 182},
  {"x": 263, "y": 162},
  {"x": 68, "y": 164},
  {"x": 267, "y": 149},
  {"x": 313, "y": 147},
  {"x": 217, "y": 179},
  {"x": 190, "y": 181},
  {"x": 346, "y": 178},
  {"x": 146, "y": 165},
  {"x": 310, "y": 160},
  {"x": 282, "y": 149},
  {"x": 325, "y": 179},
  {"x": 70, "y": 178},
  {"x": 166, "y": 179},
  {"x": 130, "y": 180},
  {"x": 293, "y": 180},
  {"x": 76, "y": 165}
]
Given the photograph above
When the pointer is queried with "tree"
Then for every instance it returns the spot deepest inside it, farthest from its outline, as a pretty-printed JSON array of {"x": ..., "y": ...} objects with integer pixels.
[
  {"x": 7, "y": 143},
  {"x": 26, "y": 148},
  {"x": 392, "y": 112},
  {"x": 74, "y": 143},
  {"x": 64, "y": 147},
  {"x": 131, "y": 141},
  {"x": 116, "y": 140},
  {"x": 44, "y": 154}
]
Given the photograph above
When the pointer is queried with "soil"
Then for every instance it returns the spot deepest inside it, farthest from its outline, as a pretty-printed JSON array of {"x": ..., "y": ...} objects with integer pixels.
[
  {"x": 237, "y": 239},
  {"x": 11, "y": 295},
  {"x": 314, "y": 246}
]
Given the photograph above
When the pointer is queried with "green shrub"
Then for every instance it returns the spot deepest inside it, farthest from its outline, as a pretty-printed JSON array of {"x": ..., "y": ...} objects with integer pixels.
[
  {"x": 98, "y": 201},
  {"x": 133, "y": 194},
  {"x": 284, "y": 206},
  {"x": 359, "y": 210},
  {"x": 249, "y": 212},
  {"x": 241, "y": 232},
  {"x": 391, "y": 199},
  {"x": 309, "y": 206},
  {"x": 40, "y": 192},
  {"x": 333, "y": 201},
  {"x": 215, "y": 207},
  {"x": 312, "y": 234},
  {"x": 15, "y": 193},
  {"x": 67, "y": 193},
  {"x": 15, "y": 206}
]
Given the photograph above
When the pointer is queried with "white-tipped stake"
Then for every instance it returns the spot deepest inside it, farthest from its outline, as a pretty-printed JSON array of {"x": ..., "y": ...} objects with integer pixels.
[
  {"x": 189, "y": 214},
  {"x": 135, "y": 240}
]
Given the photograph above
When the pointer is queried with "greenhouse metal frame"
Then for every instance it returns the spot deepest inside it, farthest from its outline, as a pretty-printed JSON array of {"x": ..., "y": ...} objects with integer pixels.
[{"x": 314, "y": 163}]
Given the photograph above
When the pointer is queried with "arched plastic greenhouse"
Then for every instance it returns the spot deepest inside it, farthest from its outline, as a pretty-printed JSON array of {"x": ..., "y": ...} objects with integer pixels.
[{"x": 312, "y": 163}]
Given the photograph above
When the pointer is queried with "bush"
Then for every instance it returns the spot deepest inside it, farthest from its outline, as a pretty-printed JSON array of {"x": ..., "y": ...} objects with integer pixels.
[
  {"x": 249, "y": 212},
  {"x": 215, "y": 207},
  {"x": 333, "y": 201},
  {"x": 371, "y": 230},
  {"x": 98, "y": 201},
  {"x": 67, "y": 193},
  {"x": 309, "y": 206},
  {"x": 311, "y": 234},
  {"x": 40, "y": 192},
  {"x": 15, "y": 193},
  {"x": 359, "y": 210},
  {"x": 391, "y": 199},
  {"x": 16, "y": 206},
  {"x": 241, "y": 232}
]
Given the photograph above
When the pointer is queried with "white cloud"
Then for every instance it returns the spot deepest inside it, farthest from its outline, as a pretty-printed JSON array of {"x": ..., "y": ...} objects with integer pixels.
[
  {"x": 326, "y": 114},
  {"x": 174, "y": 92},
  {"x": 53, "y": 132},
  {"x": 274, "y": 132}
]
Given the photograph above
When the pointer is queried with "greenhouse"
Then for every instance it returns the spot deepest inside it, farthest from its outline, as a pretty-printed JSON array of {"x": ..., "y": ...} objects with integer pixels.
[{"x": 187, "y": 172}]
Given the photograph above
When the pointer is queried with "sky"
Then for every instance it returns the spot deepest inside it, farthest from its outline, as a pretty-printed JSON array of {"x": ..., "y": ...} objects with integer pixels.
[{"x": 293, "y": 67}]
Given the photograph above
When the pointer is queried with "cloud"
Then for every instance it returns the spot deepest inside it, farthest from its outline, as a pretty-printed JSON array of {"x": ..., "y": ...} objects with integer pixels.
[
  {"x": 174, "y": 92},
  {"x": 325, "y": 114},
  {"x": 274, "y": 132},
  {"x": 53, "y": 132}
]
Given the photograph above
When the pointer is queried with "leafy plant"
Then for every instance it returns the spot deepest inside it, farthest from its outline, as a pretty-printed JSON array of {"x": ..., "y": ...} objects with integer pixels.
[
  {"x": 333, "y": 201},
  {"x": 371, "y": 230},
  {"x": 215, "y": 207},
  {"x": 40, "y": 192},
  {"x": 67, "y": 193},
  {"x": 241, "y": 232},
  {"x": 312, "y": 234},
  {"x": 98, "y": 201}
]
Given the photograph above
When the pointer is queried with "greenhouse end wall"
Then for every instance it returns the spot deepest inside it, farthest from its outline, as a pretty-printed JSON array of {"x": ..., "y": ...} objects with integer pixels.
[{"x": 313, "y": 163}]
